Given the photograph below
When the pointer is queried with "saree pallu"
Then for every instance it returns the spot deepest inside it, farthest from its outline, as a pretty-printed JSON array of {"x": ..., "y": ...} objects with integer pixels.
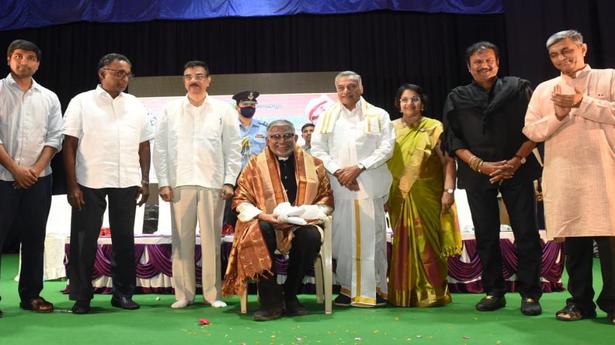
[{"x": 423, "y": 237}]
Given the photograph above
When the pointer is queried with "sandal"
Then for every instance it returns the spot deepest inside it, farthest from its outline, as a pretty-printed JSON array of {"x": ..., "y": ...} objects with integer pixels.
[{"x": 572, "y": 313}]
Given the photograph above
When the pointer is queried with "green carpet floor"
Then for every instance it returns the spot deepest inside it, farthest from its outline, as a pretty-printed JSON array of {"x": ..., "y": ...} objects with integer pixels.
[{"x": 156, "y": 323}]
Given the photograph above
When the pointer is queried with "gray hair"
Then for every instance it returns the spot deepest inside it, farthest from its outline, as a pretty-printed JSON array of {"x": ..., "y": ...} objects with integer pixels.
[
  {"x": 349, "y": 74},
  {"x": 574, "y": 35},
  {"x": 280, "y": 123}
]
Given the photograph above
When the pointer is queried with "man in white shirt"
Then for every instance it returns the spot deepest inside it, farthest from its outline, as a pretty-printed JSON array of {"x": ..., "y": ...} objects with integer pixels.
[
  {"x": 306, "y": 133},
  {"x": 106, "y": 155},
  {"x": 30, "y": 135},
  {"x": 197, "y": 157},
  {"x": 354, "y": 139}
]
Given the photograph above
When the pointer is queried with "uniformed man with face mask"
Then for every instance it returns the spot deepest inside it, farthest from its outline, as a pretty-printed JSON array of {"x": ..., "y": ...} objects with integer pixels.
[{"x": 253, "y": 131}]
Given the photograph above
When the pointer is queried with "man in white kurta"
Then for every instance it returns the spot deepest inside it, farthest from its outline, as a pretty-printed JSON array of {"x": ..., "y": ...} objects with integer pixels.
[
  {"x": 574, "y": 114},
  {"x": 197, "y": 157},
  {"x": 354, "y": 139}
]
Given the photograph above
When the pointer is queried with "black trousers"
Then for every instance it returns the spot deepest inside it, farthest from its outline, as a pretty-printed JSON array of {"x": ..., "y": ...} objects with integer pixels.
[
  {"x": 579, "y": 261},
  {"x": 230, "y": 217},
  {"x": 305, "y": 248},
  {"x": 26, "y": 210},
  {"x": 84, "y": 231},
  {"x": 521, "y": 206}
]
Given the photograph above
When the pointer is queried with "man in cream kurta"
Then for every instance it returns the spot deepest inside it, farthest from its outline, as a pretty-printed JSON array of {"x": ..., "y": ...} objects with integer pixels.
[
  {"x": 197, "y": 159},
  {"x": 354, "y": 139},
  {"x": 574, "y": 114}
]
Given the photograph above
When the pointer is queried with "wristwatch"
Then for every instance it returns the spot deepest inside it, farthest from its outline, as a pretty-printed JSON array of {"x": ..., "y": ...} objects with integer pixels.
[
  {"x": 361, "y": 166},
  {"x": 521, "y": 159},
  {"x": 450, "y": 190}
]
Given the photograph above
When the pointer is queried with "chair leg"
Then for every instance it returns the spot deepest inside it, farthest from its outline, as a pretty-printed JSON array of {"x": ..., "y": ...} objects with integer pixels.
[
  {"x": 328, "y": 283},
  {"x": 319, "y": 280},
  {"x": 327, "y": 267},
  {"x": 243, "y": 301}
]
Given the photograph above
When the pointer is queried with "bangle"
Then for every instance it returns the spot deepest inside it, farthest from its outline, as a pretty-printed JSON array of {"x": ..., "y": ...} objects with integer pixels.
[{"x": 475, "y": 163}]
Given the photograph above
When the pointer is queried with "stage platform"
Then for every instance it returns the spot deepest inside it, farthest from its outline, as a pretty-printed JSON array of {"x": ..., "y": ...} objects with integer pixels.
[{"x": 153, "y": 256}]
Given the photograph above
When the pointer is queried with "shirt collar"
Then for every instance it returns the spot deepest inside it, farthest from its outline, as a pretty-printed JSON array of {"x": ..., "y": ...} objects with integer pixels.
[
  {"x": 582, "y": 73},
  {"x": 35, "y": 86},
  {"x": 187, "y": 105},
  {"x": 479, "y": 87},
  {"x": 355, "y": 110},
  {"x": 253, "y": 123},
  {"x": 284, "y": 159},
  {"x": 101, "y": 92}
]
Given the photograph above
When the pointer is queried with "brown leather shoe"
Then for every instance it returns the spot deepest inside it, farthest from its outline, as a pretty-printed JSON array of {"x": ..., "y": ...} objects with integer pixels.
[{"x": 38, "y": 305}]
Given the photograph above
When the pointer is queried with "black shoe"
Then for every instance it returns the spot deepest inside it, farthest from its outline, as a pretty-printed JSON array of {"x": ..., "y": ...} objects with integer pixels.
[
  {"x": 124, "y": 303},
  {"x": 380, "y": 301},
  {"x": 37, "y": 304},
  {"x": 530, "y": 306},
  {"x": 491, "y": 303},
  {"x": 81, "y": 307},
  {"x": 1, "y": 313},
  {"x": 295, "y": 308},
  {"x": 268, "y": 314},
  {"x": 342, "y": 301}
]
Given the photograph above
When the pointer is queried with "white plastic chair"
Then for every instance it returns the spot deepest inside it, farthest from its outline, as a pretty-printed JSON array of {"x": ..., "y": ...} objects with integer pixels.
[{"x": 323, "y": 274}]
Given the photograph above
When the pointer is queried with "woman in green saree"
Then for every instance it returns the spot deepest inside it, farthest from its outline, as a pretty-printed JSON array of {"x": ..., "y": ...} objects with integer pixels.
[{"x": 420, "y": 207}]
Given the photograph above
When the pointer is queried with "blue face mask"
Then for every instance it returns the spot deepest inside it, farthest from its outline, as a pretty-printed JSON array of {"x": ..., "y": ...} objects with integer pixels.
[{"x": 247, "y": 111}]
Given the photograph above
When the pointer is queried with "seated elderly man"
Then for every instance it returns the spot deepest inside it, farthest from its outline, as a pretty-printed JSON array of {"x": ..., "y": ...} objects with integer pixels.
[{"x": 282, "y": 195}]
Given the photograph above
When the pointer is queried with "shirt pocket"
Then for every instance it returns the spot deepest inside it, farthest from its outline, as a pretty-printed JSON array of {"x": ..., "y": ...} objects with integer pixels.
[
  {"x": 207, "y": 136},
  {"x": 95, "y": 122},
  {"x": 259, "y": 138},
  {"x": 211, "y": 128}
]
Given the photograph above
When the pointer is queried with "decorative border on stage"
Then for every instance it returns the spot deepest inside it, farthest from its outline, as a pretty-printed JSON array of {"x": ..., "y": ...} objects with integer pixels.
[
  {"x": 154, "y": 269},
  {"x": 464, "y": 273}
]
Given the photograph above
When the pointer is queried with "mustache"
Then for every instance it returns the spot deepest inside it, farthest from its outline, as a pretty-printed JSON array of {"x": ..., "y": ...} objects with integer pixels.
[{"x": 194, "y": 84}]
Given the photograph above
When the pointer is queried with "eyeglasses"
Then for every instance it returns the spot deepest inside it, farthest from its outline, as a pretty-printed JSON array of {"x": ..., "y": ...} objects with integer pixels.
[
  {"x": 200, "y": 76},
  {"x": 119, "y": 73},
  {"x": 279, "y": 137},
  {"x": 413, "y": 99}
]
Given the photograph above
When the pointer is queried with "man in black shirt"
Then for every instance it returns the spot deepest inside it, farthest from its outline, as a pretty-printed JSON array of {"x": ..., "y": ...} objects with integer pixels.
[{"x": 483, "y": 122}]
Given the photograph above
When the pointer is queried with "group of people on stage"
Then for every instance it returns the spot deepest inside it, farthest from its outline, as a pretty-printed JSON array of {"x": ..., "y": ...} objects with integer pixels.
[{"x": 356, "y": 165}]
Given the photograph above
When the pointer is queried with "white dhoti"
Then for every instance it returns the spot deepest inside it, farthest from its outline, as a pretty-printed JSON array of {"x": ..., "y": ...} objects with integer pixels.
[
  {"x": 359, "y": 245},
  {"x": 189, "y": 204}
]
